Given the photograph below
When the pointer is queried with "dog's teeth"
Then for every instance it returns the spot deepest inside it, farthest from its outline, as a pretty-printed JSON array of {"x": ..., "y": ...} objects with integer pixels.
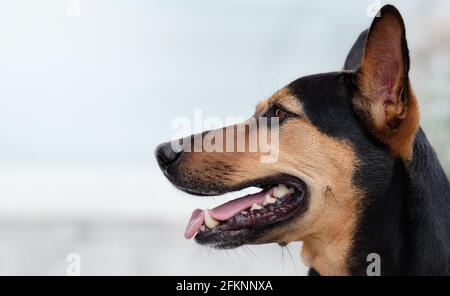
[
  {"x": 281, "y": 190},
  {"x": 202, "y": 228},
  {"x": 269, "y": 200},
  {"x": 244, "y": 212},
  {"x": 255, "y": 207},
  {"x": 210, "y": 222}
]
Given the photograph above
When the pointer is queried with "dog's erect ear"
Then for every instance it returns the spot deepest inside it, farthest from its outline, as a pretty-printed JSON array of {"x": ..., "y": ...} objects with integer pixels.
[
  {"x": 386, "y": 102},
  {"x": 354, "y": 57}
]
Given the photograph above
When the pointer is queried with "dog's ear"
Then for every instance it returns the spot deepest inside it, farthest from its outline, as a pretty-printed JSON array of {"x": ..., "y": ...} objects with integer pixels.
[
  {"x": 385, "y": 101},
  {"x": 354, "y": 57}
]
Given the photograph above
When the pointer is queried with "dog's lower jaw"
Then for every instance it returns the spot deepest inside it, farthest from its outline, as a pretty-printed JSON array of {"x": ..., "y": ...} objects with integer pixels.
[{"x": 328, "y": 258}]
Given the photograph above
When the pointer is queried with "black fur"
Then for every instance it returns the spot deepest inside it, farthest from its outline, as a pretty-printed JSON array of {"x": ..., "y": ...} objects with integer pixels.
[
  {"x": 354, "y": 57},
  {"x": 405, "y": 217},
  {"x": 429, "y": 211},
  {"x": 409, "y": 224}
]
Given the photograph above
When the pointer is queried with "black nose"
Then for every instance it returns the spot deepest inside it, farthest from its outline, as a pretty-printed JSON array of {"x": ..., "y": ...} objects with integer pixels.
[{"x": 165, "y": 155}]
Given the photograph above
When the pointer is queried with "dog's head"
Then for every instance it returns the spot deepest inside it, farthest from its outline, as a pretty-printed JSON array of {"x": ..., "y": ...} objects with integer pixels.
[{"x": 338, "y": 135}]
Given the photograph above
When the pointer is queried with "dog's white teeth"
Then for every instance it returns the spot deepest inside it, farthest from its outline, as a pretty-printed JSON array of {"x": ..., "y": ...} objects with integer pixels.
[
  {"x": 281, "y": 190},
  {"x": 202, "y": 228},
  {"x": 244, "y": 212},
  {"x": 269, "y": 200},
  {"x": 210, "y": 222},
  {"x": 256, "y": 207}
]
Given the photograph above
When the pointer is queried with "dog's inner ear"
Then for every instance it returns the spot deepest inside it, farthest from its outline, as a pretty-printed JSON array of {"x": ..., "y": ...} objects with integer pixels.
[{"x": 385, "y": 101}]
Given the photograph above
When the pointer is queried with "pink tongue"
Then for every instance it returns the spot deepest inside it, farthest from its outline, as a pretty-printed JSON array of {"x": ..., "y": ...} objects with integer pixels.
[
  {"x": 231, "y": 208},
  {"x": 223, "y": 212},
  {"x": 194, "y": 223}
]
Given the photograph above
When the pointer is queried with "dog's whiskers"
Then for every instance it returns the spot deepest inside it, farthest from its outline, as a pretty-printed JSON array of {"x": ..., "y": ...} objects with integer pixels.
[
  {"x": 328, "y": 190},
  {"x": 292, "y": 259}
]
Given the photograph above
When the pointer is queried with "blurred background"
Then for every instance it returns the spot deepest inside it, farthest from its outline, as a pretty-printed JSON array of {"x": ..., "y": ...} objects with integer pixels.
[{"x": 88, "y": 88}]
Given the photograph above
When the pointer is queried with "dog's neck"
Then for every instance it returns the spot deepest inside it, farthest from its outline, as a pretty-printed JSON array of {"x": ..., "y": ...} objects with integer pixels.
[
  {"x": 428, "y": 212},
  {"x": 409, "y": 225}
]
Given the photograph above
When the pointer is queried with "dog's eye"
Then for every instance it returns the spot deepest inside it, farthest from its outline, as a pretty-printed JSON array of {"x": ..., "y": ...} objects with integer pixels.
[
  {"x": 281, "y": 114},
  {"x": 277, "y": 112}
]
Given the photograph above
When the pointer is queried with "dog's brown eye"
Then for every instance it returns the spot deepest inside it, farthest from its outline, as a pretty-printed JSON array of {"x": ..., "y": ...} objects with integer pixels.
[{"x": 281, "y": 114}]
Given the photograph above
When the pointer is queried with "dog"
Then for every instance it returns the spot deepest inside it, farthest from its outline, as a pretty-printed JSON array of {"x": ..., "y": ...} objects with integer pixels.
[{"x": 355, "y": 176}]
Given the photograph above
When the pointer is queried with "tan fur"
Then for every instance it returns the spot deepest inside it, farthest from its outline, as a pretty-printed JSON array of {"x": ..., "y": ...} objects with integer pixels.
[
  {"x": 402, "y": 143},
  {"x": 284, "y": 98},
  {"x": 399, "y": 137},
  {"x": 325, "y": 164}
]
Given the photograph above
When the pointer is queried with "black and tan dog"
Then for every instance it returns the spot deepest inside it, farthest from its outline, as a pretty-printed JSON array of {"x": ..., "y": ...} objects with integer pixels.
[{"x": 357, "y": 173}]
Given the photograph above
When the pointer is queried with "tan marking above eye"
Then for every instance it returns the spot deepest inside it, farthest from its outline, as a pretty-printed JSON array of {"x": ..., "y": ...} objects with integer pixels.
[
  {"x": 291, "y": 104},
  {"x": 283, "y": 98}
]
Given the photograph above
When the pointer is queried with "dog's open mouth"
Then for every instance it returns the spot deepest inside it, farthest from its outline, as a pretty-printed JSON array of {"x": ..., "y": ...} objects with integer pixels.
[{"x": 241, "y": 220}]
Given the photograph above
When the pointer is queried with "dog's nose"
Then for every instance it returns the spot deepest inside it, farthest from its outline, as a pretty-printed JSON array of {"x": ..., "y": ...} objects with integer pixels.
[{"x": 165, "y": 155}]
